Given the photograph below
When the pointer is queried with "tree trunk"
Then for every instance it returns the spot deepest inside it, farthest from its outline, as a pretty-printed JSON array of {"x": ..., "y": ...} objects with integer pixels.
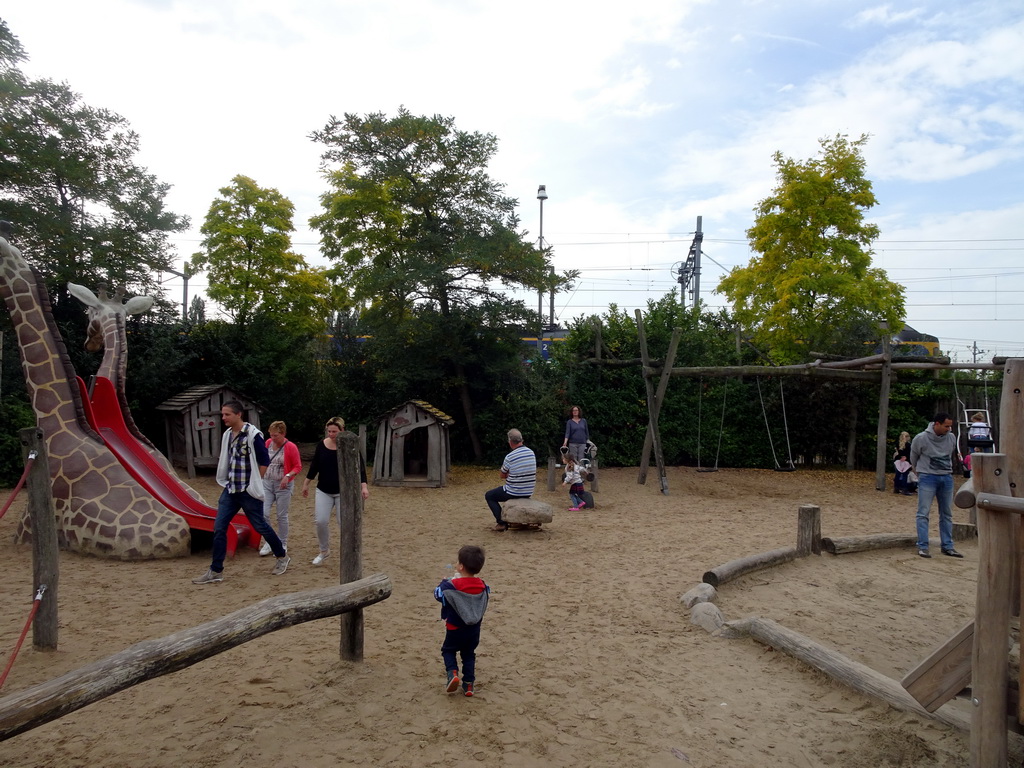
[
  {"x": 851, "y": 443},
  {"x": 467, "y": 411}
]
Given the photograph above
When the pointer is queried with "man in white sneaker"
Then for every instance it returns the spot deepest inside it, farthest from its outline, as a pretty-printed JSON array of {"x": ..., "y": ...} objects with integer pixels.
[{"x": 243, "y": 462}]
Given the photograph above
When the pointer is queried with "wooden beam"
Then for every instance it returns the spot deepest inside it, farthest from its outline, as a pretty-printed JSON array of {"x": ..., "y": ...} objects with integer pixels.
[
  {"x": 810, "y": 369},
  {"x": 659, "y": 398},
  {"x": 946, "y": 671},
  {"x": 149, "y": 659},
  {"x": 744, "y": 565},
  {"x": 652, "y": 410},
  {"x": 350, "y": 510},
  {"x": 990, "y": 659}
]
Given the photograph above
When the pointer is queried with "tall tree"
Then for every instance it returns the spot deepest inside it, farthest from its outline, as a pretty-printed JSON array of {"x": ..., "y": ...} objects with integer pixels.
[
  {"x": 251, "y": 267},
  {"x": 413, "y": 218},
  {"x": 812, "y": 286},
  {"x": 85, "y": 211}
]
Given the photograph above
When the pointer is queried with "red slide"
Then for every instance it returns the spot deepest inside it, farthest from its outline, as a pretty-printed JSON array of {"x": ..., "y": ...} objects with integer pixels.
[{"x": 104, "y": 415}]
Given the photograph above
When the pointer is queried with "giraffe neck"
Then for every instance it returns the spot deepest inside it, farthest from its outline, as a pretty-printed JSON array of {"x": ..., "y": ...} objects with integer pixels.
[
  {"x": 49, "y": 374},
  {"x": 114, "y": 365}
]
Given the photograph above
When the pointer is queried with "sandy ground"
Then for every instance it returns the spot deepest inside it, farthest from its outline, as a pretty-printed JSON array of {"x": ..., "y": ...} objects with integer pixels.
[{"x": 587, "y": 656}]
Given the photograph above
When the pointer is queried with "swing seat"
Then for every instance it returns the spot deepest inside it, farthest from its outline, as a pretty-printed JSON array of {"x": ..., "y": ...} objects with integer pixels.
[
  {"x": 785, "y": 469},
  {"x": 983, "y": 443}
]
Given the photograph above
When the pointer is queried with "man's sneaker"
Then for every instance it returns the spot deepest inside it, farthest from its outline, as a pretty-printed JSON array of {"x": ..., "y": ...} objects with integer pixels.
[
  {"x": 281, "y": 565},
  {"x": 923, "y": 553},
  {"x": 453, "y": 681},
  {"x": 468, "y": 688},
  {"x": 210, "y": 577},
  {"x": 265, "y": 549},
  {"x": 951, "y": 553},
  {"x": 321, "y": 558}
]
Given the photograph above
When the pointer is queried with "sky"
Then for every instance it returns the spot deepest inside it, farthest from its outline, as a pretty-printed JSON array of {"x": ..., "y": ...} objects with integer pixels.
[{"x": 637, "y": 117}]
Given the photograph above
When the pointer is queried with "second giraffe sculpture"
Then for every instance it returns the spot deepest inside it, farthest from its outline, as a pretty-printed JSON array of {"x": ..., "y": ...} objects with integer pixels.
[
  {"x": 106, "y": 331},
  {"x": 101, "y": 510}
]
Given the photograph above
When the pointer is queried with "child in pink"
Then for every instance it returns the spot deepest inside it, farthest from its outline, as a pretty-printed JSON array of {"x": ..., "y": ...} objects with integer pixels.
[{"x": 574, "y": 480}]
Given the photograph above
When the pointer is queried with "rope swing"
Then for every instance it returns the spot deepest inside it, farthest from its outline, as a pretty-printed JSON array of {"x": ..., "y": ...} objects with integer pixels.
[
  {"x": 785, "y": 426},
  {"x": 721, "y": 426}
]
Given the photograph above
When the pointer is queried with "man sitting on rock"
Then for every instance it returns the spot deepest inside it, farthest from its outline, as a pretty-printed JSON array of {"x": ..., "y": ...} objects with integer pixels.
[{"x": 520, "y": 473}]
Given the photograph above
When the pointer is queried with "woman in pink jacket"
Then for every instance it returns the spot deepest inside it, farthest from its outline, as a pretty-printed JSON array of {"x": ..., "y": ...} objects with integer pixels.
[{"x": 285, "y": 465}]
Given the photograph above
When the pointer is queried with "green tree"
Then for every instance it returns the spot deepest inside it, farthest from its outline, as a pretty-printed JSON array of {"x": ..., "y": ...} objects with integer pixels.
[
  {"x": 812, "y": 286},
  {"x": 413, "y": 219},
  {"x": 250, "y": 265},
  {"x": 84, "y": 210}
]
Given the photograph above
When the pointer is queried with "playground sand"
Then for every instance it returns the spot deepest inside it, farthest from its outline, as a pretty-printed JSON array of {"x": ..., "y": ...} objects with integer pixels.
[{"x": 587, "y": 656}]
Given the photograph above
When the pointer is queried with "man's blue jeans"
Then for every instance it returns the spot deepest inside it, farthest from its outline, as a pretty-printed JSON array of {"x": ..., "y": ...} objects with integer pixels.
[
  {"x": 938, "y": 487},
  {"x": 229, "y": 505}
]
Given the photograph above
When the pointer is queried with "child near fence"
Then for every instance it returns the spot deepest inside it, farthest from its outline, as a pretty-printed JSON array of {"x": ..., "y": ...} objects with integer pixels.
[{"x": 574, "y": 480}]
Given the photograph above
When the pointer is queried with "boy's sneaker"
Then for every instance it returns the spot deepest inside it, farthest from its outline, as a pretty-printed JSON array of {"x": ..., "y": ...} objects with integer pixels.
[
  {"x": 453, "y": 681},
  {"x": 265, "y": 549},
  {"x": 321, "y": 558},
  {"x": 281, "y": 565},
  {"x": 210, "y": 577},
  {"x": 468, "y": 688}
]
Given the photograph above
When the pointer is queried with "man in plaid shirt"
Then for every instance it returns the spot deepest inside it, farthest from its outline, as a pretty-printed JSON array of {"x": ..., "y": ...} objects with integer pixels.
[{"x": 241, "y": 446}]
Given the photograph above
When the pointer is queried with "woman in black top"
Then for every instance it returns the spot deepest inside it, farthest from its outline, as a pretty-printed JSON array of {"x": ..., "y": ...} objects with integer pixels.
[{"x": 328, "y": 486}]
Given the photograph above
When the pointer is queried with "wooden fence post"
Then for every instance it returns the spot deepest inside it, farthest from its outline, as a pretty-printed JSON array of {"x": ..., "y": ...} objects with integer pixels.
[
  {"x": 551, "y": 472},
  {"x": 45, "y": 555},
  {"x": 990, "y": 659},
  {"x": 808, "y": 530},
  {"x": 350, "y": 507}
]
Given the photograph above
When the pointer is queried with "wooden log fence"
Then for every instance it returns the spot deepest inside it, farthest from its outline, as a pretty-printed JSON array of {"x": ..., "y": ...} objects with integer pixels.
[
  {"x": 744, "y": 565},
  {"x": 149, "y": 659}
]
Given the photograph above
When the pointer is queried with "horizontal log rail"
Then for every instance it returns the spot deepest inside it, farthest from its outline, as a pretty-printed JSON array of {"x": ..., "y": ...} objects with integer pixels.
[{"x": 149, "y": 659}]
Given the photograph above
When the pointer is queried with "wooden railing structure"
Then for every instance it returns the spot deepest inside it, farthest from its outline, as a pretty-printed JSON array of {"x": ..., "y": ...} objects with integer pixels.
[
  {"x": 978, "y": 655},
  {"x": 27, "y": 709}
]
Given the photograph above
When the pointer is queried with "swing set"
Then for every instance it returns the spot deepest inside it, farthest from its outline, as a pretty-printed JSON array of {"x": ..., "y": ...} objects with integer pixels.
[{"x": 788, "y": 467}]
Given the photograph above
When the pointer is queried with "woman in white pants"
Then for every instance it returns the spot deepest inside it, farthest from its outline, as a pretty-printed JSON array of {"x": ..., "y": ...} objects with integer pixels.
[
  {"x": 285, "y": 465},
  {"x": 328, "y": 487}
]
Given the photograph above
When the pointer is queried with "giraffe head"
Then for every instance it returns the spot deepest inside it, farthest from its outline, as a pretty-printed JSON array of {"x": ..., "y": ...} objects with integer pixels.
[{"x": 103, "y": 311}]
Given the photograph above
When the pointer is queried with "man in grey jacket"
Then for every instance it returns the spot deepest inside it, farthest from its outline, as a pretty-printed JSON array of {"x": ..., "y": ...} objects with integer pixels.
[{"x": 931, "y": 455}]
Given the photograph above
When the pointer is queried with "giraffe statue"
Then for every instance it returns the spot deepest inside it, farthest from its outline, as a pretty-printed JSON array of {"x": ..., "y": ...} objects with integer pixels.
[
  {"x": 106, "y": 331},
  {"x": 100, "y": 508}
]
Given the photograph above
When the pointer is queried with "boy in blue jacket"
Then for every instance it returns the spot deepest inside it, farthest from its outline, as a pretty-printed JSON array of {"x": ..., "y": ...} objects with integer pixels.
[{"x": 463, "y": 601}]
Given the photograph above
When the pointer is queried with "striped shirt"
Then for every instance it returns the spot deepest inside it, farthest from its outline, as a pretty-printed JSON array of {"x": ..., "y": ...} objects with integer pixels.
[{"x": 521, "y": 466}]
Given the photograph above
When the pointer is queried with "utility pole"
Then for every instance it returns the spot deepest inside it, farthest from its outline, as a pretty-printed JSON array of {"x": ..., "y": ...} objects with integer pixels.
[
  {"x": 698, "y": 238},
  {"x": 688, "y": 272}
]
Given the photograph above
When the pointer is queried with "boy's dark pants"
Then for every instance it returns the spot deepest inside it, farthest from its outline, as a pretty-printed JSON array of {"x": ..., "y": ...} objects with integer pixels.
[{"x": 463, "y": 640}]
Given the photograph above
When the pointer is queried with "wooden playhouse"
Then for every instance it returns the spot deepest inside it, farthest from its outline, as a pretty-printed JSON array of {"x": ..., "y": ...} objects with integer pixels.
[
  {"x": 413, "y": 448},
  {"x": 193, "y": 427}
]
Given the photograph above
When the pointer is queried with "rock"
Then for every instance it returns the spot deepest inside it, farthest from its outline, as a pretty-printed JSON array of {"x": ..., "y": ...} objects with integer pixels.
[
  {"x": 707, "y": 615},
  {"x": 702, "y": 593},
  {"x": 526, "y": 511}
]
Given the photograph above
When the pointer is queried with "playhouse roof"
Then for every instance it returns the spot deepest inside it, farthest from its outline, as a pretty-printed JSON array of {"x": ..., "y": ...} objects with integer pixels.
[
  {"x": 184, "y": 400},
  {"x": 423, "y": 405}
]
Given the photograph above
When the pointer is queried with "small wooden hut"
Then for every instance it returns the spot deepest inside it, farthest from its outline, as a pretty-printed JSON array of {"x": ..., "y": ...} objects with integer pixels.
[
  {"x": 193, "y": 427},
  {"x": 413, "y": 448}
]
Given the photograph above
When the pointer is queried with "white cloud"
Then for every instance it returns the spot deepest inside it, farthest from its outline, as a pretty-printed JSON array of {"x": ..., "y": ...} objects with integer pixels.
[{"x": 884, "y": 15}]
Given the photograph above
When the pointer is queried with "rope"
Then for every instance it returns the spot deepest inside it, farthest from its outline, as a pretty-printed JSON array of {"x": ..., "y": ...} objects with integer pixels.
[
  {"x": 721, "y": 424},
  {"x": 785, "y": 425},
  {"x": 24, "y": 632},
  {"x": 21, "y": 482},
  {"x": 700, "y": 399},
  {"x": 768, "y": 429}
]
